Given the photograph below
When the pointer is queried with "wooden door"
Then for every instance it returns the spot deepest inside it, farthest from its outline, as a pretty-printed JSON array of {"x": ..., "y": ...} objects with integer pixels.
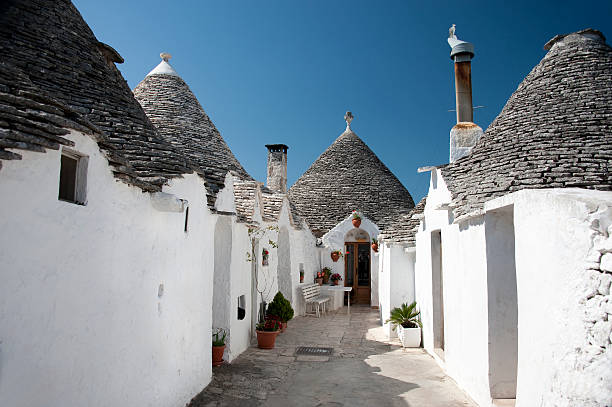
[{"x": 357, "y": 271}]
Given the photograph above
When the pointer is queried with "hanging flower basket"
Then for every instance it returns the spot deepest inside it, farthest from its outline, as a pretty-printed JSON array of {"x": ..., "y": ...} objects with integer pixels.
[
  {"x": 375, "y": 244},
  {"x": 356, "y": 219},
  {"x": 335, "y": 255}
]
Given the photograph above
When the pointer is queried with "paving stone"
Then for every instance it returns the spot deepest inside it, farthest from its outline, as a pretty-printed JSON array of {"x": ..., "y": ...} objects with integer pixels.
[{"x": 350, "y": 375}]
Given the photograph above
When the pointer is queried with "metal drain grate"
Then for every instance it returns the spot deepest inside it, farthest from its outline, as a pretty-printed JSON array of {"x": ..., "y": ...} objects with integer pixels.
[{"x": 313, "y": 350}]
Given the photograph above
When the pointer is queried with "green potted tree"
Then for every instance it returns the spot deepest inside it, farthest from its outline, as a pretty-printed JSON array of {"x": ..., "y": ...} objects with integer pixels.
[
  {"x": 280, "y": 308},
  {"x": 408, "y": 323},
  {"x": 218, "y": 346}
]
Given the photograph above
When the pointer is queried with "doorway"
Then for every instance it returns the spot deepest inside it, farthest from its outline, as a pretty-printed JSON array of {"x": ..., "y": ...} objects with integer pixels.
[
  {"x": 357, "y": 271},
  {"x": 502, "y": 303},
  {"x": 437, "y": 286}
]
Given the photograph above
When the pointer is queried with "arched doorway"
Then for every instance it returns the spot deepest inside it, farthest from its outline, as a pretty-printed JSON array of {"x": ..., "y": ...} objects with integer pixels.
[
  {"x": 283, "y": 271},
  {"x": 357, "y": 265}
]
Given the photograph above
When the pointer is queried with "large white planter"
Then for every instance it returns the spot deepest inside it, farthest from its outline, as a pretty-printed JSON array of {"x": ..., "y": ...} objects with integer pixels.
[{"x": 409, "y": 337}]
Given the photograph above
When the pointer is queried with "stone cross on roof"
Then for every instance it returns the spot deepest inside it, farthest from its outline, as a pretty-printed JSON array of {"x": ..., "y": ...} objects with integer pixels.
[{"x": 349, "y": 118}]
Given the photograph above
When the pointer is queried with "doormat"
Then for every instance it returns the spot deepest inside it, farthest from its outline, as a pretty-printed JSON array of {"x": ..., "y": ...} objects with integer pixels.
[{"x": 313, "y": 350}]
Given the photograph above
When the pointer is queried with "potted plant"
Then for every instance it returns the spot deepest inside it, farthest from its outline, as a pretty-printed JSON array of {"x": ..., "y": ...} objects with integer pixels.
[
  {"x": 266, "y": 333},
  {"x": 301, "y": 276},
  {"x": 356, "y": 219},
  {"x": 281, "y": 310},
  {"x": 319, "y": 278},
  {"x": 408, "y": 323},
  {"x": 375, "y": 244},
  {"x": 326, "y": 273},
  {"x": 335, "y": 278},
  {"x": 335, "y": 255},
  {"x": 264, "y": 257},
  {"x": 218, "y": 346}
]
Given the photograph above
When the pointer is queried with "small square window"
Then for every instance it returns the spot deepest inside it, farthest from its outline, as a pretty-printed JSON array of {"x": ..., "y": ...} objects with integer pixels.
[{"x": 73, "y": 178}]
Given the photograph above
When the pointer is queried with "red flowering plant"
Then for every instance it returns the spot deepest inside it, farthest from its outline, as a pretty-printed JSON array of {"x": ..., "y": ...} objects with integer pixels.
[
  {"x": 339, "y": 252},
  {"x": 335, "y": 277},
  {"x": 269, "y": 325},
  {"x": 356, "y": 215},
  {"x": 319, "y": 274}
]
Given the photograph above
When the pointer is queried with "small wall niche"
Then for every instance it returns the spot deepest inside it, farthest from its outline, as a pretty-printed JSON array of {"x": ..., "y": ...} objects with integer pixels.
[{"x": 241, "y": 307}]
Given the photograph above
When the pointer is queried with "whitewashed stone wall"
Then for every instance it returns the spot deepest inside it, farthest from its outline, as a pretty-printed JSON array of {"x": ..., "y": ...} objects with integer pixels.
[
  {"x": 563, "y": 248},
  {"x": 241, "y": 284},
  {"x": 562, "y": 243},
  {"x": 104, "y": 304},
  {"x": 396, "y": 280}
]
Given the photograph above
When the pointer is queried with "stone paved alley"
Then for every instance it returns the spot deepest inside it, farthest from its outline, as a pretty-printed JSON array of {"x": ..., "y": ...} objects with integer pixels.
[{"x": 364, "y": 370}]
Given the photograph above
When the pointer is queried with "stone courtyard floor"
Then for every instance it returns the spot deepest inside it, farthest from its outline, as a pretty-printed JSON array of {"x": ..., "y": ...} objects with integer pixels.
[{"x": 365, "y": 369}]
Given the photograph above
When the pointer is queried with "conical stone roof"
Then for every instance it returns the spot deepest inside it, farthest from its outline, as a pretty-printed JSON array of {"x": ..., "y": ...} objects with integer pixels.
[
  {"x": 51, "y": 45},
  {"x": 180, "y": 119},
  {"x": 554, "y": 132},
  {"x": 348, "y": 176}
]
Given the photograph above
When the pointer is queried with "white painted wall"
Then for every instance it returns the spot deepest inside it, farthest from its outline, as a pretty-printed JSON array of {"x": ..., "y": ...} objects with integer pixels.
[
  {"x": 465, "y": 356},
  {"x": 83, "y": 319},
  {"x": 396, "y": 280},
  {"x": 565, "y": 357},
  {"x": 241, "y": 277},
  {"x": 561, "y": 241}
]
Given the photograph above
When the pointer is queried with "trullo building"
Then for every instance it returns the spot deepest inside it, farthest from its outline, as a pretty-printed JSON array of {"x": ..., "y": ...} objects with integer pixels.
[{"x": 513, "y": 243}]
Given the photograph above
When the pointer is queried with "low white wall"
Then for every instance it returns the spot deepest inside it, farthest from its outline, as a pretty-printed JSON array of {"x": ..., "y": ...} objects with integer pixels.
[
  {"x": 563, "y": 238},
  {"x": 396, "y": 279},
  {"x": 104, "y": 304}
]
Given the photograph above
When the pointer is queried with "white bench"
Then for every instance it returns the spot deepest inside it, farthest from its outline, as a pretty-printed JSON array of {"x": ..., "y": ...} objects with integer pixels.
[{"x": 312, "y": 295}]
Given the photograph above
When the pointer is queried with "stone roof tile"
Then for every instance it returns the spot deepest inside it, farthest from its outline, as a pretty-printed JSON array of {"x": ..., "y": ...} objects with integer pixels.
[
  {"x": 404, "y": 229},
  {"x": 348, "y": 176},
  {"x": 180, "y": 119},
  {"x": 50, "y": 43}
]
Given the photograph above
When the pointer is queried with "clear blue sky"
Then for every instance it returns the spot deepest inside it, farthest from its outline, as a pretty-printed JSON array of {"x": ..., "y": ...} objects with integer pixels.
[{"x": 280, "y": 71}]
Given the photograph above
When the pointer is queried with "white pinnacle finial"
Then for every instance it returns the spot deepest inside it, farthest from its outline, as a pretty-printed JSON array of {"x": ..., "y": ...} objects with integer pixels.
[
  {"x": 165, "y": 56},
  {"x": 348, "y": 117}
]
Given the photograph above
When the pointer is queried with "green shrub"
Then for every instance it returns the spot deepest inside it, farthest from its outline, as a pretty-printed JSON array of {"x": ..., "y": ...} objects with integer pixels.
[
  {"x": 280, "y": 307},
  {"x": 405, "y": 315}
]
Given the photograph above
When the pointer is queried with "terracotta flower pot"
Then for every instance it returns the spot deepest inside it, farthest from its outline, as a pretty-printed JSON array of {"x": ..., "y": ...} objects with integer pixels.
[
  {"x": 356, "y": 222},
  {"x": 283, "y": 326},
  {"x": 335, "y": 256},
  {"x": 266, "y": 339},
  {"x": 375, "y": 247},
  {"x": 335, "y": 282},
  {"x": 319, "y": 281},
  {"x": 325, "y": 279},
  {"x": 217, "y": 355}
]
